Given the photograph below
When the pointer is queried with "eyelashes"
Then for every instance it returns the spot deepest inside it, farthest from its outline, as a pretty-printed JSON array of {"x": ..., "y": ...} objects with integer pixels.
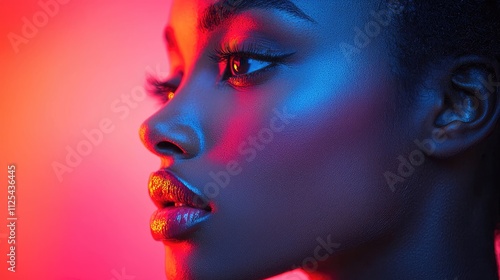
[
  {"x": 253, "y": 51},
  {"x": 240, "y": 67},
  {"x": 161, "y": 90},
  {"x": 247, "y": 66}
]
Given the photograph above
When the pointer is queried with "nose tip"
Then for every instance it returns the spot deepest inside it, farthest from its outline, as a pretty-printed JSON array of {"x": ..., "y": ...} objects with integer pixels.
[{"x": 170, "y": 138}]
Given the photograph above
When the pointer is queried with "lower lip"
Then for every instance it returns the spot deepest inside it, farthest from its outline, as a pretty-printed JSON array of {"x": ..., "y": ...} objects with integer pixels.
[{"x": 176, "y": 223}]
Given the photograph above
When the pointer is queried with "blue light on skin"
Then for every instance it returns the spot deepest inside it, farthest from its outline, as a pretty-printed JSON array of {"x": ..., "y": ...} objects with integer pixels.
[{"x": 321, "y": 175}]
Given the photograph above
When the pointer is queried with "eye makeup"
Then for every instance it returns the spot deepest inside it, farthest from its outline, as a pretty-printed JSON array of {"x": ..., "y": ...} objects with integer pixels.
[{"x": 245, "y": 65}]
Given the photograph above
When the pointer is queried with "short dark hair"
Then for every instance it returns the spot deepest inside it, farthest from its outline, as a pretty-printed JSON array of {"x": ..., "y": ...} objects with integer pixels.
[{"x": 427, "y": 30}]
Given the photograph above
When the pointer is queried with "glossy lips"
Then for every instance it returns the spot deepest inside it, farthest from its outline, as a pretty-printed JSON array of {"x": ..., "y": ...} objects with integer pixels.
[{"x": 180, "y": 211}]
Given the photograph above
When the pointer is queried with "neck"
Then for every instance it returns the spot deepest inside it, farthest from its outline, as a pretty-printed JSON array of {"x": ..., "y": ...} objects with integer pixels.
[{"x": 448, "y": 238}]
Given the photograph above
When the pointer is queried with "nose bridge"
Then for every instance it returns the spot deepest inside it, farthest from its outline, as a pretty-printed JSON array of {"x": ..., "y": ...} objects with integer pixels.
[{"x": 175, "y": 130}]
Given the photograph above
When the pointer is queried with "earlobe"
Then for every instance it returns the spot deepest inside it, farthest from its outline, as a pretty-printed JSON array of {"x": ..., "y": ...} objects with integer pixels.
[{"x": 470, "y": 108}]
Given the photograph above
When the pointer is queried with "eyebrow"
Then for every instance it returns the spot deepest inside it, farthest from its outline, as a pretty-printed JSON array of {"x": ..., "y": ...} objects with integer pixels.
[{"x": 219, "y": 12}]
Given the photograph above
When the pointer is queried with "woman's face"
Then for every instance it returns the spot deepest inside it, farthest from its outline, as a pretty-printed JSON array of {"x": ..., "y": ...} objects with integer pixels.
[{"x": 285, "y": 122}]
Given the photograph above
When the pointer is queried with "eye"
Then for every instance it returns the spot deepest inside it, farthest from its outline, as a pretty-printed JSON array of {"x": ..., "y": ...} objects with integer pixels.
[
  {"x": 247, "y": 67},
  {"x": 245, "y": 70},
  {"x": 163, "y": 90},
  {"x": 240, "y": 65}
]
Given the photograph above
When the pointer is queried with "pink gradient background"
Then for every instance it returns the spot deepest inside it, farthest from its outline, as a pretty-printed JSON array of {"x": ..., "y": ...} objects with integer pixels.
[
  {"x": 61, "y": 82},
  {"x": 94, "y": 223}
]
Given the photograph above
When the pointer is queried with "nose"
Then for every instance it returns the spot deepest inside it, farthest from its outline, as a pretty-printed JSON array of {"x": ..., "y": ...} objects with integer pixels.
[{"x": 171, "y": 133}]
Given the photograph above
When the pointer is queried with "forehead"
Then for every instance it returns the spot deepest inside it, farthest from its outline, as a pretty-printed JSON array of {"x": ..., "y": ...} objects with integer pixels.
[
  {"x": 333, "y": 20},
  {"x": 188, "y": 15},
  {"x": 185, "y": 13}
]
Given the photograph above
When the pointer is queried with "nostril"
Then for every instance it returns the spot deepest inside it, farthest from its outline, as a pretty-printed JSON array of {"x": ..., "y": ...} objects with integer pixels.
[{"x": 168, "y": 147}]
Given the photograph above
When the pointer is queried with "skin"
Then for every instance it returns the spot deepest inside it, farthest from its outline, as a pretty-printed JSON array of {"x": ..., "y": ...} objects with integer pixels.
[{"x": 322, "y": 174}]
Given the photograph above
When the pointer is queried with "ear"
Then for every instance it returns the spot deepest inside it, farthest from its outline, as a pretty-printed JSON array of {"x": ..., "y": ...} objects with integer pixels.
[{"x": 468, "y": 105}]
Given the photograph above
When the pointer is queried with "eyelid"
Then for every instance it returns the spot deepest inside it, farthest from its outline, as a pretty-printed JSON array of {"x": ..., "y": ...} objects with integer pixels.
[
  {"x": 226, "y": 52},
  {"x": 251, "y": 79},
  {"x": 249, "y": 50}
]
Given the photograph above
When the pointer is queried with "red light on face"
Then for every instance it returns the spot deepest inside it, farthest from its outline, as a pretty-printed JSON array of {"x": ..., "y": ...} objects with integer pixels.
[{"x": 236, "y": 66}]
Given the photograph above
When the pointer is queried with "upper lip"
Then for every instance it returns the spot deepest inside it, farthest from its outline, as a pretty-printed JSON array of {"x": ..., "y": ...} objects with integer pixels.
[{"x": 166, "y": 190}]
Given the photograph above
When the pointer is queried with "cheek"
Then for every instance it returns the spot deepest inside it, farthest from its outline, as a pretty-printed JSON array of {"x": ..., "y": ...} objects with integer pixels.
[
  {"x": 322, "y": 170},
  {"x": 235, "y": 129}
]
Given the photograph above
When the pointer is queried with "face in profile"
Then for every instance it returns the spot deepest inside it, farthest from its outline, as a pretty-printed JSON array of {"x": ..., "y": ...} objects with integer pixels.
[{"x": 286, "y": 141}]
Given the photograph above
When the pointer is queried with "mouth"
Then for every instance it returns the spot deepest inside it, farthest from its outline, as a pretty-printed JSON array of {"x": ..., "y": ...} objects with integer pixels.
[{"x": 181, "y": 209}]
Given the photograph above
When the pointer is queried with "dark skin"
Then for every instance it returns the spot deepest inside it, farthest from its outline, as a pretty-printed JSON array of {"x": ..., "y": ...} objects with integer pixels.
[{"x": 322, "y": 174}]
